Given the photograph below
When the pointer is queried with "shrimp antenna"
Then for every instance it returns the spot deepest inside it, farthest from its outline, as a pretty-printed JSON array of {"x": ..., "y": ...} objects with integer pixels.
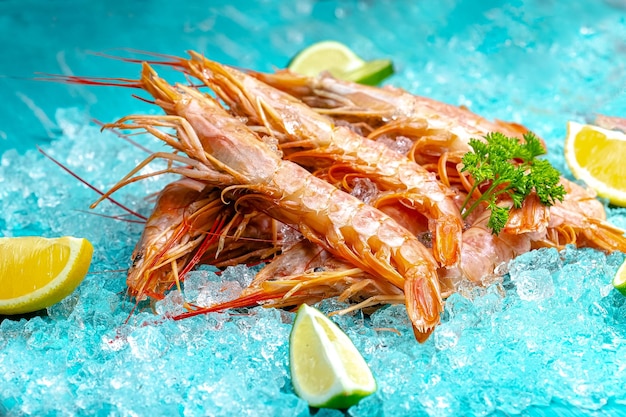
[
  {"x": 121, "y": 135},
  {"x": 73, "y": 79},
  {"x": 170, "y": 60},
  {"x": 73, "y": 174},
  {"x": 107, "y": 216}
]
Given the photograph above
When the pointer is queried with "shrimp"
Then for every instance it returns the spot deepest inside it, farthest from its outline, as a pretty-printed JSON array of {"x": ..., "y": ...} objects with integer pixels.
[
  {"x": 442, "y": 134},
  {"x": 166, "y": 230},
  {"x": 304, "y": 266},
  {"x": 441, "y": 131},
  {"x": 306, "y": 273},
  {"x": 340, "y": 223},
  {"x": 381, "y": 105},
  {"x": 483, "y": 251},
  {"x": 295, "y": 124}
]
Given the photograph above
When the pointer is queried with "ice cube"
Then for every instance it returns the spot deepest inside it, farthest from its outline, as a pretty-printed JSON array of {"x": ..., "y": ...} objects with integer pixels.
[{"x": 533, "y": 285}]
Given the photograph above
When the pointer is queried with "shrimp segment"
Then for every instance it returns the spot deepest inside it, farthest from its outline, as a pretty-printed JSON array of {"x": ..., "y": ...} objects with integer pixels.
[
  {"x": 339, "y": 222},
  {"x": 296, "y": 125},
  {"x": 580, "y": 219}
]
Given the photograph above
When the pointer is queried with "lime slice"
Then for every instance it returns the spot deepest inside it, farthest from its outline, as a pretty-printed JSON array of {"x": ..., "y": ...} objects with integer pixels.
[
  {"x": 37, "y": 272},
  {"x": 341, "y": 62},
  {"x": 326, "y": 368},
  {"x": 619, "y": 280}
]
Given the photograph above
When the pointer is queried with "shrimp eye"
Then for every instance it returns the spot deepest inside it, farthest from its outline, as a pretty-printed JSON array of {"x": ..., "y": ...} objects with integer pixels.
[
  {"x": 426, "y": 239},
  {"x": 318, "y": 269},
  {"x": 137, "y": 258}
]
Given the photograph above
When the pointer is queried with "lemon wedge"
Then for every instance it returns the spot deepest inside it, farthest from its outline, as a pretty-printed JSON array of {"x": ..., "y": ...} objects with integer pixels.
[
  {"x": 341, "y": 62},
  {"x": 326, "y": 368},
  {"x": 595, "y": 156},
  {"x": 37, "y": 272}
]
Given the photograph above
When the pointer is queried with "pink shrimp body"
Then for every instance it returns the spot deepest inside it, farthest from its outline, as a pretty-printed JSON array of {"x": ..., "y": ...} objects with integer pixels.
[{"x": 338, "y": 97}]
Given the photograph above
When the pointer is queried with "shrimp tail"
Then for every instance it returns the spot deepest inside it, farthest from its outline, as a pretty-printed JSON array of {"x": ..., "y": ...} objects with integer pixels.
[
  {"x": 422, "y": 299},
  {"x": 602, "y": 235}
]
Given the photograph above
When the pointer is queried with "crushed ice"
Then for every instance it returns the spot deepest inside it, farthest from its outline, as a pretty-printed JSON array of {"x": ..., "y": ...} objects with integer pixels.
[{"x": 550, "y": 337}]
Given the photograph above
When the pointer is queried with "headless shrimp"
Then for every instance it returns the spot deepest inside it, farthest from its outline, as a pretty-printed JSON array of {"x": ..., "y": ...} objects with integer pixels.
[
  {"x": 339, "y": 222},
  {"x": 295, "y": 124}
]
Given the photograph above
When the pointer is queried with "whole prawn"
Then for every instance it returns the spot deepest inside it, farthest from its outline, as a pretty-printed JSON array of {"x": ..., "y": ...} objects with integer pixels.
[
  {"x": 441, "y": 134},
  {"x": 297, "y": 126},
  {"x": 337, "y": 221},
  {"x": 308, "y": 273},
  {"x": 381, "y": 106}
]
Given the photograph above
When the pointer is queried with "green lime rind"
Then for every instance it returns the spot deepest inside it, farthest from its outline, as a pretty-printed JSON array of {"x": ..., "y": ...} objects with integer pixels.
[
  {"x": 371, "y": 73},
  {"x": 343, "y": 401},
  {"x": 619, "y": 280}
]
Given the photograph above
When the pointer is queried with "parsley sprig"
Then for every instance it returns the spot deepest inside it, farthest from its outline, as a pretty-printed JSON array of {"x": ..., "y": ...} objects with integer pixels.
[{"x": 502, "y": 165}]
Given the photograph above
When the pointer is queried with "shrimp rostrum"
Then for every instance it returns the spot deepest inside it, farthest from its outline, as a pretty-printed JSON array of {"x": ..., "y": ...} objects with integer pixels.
[{"x": 340, "y": 223}]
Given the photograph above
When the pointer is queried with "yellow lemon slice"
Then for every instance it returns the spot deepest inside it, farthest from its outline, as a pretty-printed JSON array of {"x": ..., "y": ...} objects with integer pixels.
[
  {"x": 326, "y": 368},
  {"x": 37, "y": 272},
  {"x": 341, "y": 62},
  {"x": 619, "y": 280},
  {"x": 595, "y": 155}
]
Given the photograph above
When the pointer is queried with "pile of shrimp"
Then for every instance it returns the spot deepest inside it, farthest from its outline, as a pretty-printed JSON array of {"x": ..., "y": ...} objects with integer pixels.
[{"x": 338, "y": 189}]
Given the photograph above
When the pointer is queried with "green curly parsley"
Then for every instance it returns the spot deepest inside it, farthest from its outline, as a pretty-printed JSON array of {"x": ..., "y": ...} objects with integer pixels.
[{"x": 504, "y": 165}]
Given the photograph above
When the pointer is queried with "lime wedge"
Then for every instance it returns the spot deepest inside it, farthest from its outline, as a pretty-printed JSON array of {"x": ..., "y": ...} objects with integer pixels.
[
  {"x": 341, "y": 62},
  {"x": 326, "y": 368},
  {"x": 330, "y": 56},
  {"x": 619, "y": 280}
]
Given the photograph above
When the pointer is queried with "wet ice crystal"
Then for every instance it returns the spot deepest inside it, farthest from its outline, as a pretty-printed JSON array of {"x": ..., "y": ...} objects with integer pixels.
[{"x": 549, "y": 339}]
